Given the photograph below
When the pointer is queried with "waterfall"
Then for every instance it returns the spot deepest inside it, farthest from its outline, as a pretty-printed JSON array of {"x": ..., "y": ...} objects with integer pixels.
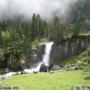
[
  {"x": 34, "y": 69},
  {"x": 45, "y": 61},
  {"x": 46, "y": 56}
]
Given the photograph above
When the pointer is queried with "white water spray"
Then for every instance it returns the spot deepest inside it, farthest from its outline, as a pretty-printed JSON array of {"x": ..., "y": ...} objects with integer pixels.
[
  {"x": 35, "y": 69},
  {"x": 9, "y": 74},
  {"x": 46, "y": 56},
  {"x": 27, "y": 71},
  {"x": 45, "y": 61}
]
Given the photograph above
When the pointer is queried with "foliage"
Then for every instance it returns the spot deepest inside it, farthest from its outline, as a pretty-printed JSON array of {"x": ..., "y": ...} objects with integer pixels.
[
  {"x": 12, "y": 45},
  {"x": 87, "y": 68},
  {"x": 18, "y": 37},
  {"x": 39, "y": 27},
  {"x": 56, "y": 32},
  {"x": 80, "y": 60},
  {"x": 80, "y": 16}
]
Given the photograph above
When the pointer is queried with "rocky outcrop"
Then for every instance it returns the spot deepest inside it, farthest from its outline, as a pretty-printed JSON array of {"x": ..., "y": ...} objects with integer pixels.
[
  {"x": 43, "y": 68},
  {"x": 69, "y": 47},
  {"x": 66, "y": 48},
  {"x": 40, "y": 52},
  {"x": 80, "y": 88},
  {"x": 68, "y": 67}
]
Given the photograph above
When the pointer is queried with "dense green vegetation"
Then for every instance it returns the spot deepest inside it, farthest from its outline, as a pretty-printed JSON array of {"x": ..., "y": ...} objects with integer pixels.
[
  {"x": 80, "y": 60},
  {"x": 18, "y": 36},
  {"x": 19, "y": 39},
  {"x": 38, "y": 28},
  {"x": 82, "y": 57},
  {"x": 62, "y": 80}
]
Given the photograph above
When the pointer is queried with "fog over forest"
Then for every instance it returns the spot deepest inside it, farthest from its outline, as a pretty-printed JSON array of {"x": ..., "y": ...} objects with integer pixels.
[{"x": 10, "y": 9}]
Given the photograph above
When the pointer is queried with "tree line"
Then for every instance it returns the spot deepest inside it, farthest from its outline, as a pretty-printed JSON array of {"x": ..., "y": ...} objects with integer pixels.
[{"x": 16, "y": 37}]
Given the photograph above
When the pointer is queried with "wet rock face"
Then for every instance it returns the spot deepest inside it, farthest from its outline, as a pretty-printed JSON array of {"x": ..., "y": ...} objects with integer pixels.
[
  {"x": 34, "y": 59},
  {"x": 40, "y": 52},
  {"x": 68, "y": 67},
  {"x": 69, "y": 47},
  {"x": 66, "y": 48}
]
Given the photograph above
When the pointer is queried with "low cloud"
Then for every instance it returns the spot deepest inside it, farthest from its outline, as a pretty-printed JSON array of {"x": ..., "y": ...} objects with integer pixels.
[{"x": 10, "y": 9}]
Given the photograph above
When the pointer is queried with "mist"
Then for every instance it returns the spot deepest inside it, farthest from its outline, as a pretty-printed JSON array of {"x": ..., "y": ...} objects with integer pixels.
[{"x": 10, "y": 9}]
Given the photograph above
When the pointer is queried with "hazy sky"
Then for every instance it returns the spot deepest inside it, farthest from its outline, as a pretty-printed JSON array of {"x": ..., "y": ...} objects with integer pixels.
[{"x": 46, "y": 8}]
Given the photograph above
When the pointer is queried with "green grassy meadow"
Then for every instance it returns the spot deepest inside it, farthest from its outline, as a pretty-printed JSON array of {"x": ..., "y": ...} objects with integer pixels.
[{"x": 59, "y": 80}]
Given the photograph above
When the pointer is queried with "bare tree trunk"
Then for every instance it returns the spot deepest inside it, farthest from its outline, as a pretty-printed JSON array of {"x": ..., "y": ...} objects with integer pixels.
[{"x": 10, "y": 61}]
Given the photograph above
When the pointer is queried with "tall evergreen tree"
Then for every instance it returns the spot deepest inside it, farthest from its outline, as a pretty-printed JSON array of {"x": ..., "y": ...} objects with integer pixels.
[{"x": 56, "y": 32}]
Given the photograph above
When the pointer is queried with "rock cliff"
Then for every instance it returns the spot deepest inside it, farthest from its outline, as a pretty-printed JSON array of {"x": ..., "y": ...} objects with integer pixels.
[{"x": 66, "y": 48}]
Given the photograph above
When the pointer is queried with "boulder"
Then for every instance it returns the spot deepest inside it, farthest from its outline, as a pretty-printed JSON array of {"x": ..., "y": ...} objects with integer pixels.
[
  {"x": 80, "y": 88},
  {"x": 43, "y": 68},
  {"x": 87, "y": 78}
]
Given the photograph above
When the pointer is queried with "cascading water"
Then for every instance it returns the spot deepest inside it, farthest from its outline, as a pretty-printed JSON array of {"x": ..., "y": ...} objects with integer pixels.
[
  {"x": 45, "y": 61},
  {"x": 27, "y": 71},
  {"x": 35, "y": 69},
  {"x": 46, "y": 56}
]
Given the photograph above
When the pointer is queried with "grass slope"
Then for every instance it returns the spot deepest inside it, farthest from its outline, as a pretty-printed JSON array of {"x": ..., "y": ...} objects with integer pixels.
[
  {"x": 47, "y": 81},
  {"x": 83, "y": 56}
]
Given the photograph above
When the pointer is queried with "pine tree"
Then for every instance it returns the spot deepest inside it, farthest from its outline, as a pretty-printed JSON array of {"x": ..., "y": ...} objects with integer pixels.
[{"x": 56, "y": 32}]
